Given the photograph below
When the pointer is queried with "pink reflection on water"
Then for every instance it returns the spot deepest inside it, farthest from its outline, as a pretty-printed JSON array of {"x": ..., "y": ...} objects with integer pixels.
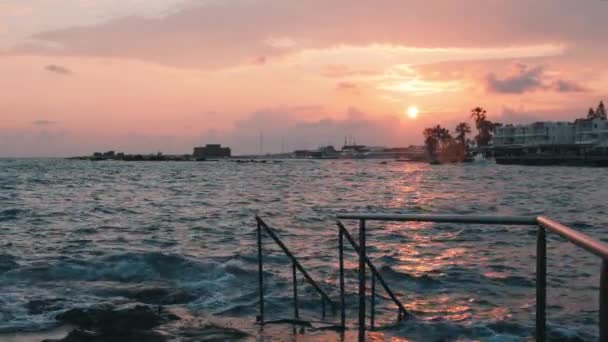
[
  {"x": 441, "y": 307},
  {"x": 381, "y": 337}
]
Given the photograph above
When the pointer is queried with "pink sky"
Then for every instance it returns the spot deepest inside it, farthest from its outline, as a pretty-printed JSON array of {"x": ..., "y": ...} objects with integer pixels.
[{"x": 164, "y": 75}]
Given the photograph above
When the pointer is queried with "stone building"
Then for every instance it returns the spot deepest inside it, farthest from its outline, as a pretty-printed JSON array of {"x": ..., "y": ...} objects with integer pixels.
[{"x": 211, "y": 151}]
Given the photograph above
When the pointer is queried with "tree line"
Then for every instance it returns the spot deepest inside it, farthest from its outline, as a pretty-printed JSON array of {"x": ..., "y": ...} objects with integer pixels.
[
  {"x": 599, "y": 112},
  {"x": 443, "y": 147}
]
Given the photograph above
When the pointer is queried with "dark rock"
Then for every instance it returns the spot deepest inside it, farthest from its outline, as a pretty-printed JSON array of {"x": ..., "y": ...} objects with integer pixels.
[
  {"x": 90, "y": 336},
  {"x": 212, "y": 333},
  {"x": 38, "y": 306},
  {"x": 161, "y": 296},
  {"x": 108, "y": 319}
]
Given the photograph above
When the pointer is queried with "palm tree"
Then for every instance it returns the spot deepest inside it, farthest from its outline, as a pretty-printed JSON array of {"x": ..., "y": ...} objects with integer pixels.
[
  {"x": 484, "y": 126},
  {"x": 442, "y": 134},
  {"x": 462, "y": 130},
  {"x": 479, "y": 115},
  {"x": 431, "y": 142}
]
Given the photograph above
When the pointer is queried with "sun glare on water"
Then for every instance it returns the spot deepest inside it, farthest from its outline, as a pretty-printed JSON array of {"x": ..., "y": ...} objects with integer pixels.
[{"x": 412, "y": 112}]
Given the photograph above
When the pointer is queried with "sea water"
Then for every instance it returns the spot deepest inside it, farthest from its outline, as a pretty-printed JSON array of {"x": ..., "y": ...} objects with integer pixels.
[{"x": 76, "y": 233}]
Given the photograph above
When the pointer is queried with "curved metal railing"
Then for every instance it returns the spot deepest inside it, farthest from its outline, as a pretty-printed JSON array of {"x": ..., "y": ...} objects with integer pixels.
[{"x": 586, "y": 242}]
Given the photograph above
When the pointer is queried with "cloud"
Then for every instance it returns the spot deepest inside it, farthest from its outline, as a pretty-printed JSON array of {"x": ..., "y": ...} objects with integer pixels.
[
  {"x": 280, "y": 42},
  {"x": 220, "y": 33},
  {"x": 261, "y": 60},
  {"x": 58, "y": 69},
  {"x": 564, "y": 86},
  {"x": 44, "y": 123},
  {"x": 524, "y": 80},
  {"x": 349, "y": 87},
  {"x": 529, "y": 79},
  {"x": 342, "y": 71}
]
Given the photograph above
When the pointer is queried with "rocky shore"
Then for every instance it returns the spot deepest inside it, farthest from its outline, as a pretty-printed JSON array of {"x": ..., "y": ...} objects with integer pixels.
[{"x": 152, "y": 314}]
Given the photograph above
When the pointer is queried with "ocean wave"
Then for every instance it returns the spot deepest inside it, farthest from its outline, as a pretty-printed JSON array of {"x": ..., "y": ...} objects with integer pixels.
[
  {"x": 12, "y": 214},
  {"x": 125, "y": 267}
]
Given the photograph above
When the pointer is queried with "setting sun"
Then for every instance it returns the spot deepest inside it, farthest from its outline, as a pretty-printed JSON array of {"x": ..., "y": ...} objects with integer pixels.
[{"x": 412, "y": 112}]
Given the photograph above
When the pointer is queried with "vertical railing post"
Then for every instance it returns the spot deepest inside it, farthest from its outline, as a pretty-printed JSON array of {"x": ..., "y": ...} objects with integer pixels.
[
  {"x": 541, "y": 284},
  {"x": 294, "y": 277},
  {"x": 604, "y": 301},
  {"x": 341, "y": 257},
  {"x": 260, "y": 275},
  {"x": 362, "y": 280},
  {"x": 372, "y": 308}
]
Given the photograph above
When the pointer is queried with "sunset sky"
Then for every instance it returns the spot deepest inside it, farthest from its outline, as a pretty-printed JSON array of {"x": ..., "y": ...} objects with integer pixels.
[{"x": 79, "y": 76}]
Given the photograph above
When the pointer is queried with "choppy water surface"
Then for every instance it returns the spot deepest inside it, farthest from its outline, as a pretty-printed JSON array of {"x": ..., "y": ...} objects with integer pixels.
[{"x": 78, "y": 233}]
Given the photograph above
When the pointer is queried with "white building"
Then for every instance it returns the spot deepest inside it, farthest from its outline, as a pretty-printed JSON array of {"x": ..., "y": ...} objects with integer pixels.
[
  {"x": 591, "y": 132},
  {"x": 538, "y": 133}
]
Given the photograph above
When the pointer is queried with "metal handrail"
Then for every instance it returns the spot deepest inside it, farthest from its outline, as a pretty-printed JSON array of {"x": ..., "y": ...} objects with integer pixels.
[
  {"x": 579, "y": 239},
  {"x": 506, "y": 220},
  {"x": 402, "y": 312},
  {"x": 584, "y": 241},
  {"x": 295, "y": 266}
]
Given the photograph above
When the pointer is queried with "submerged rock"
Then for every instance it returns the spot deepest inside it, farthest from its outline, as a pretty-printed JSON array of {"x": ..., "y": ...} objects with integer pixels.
[
  {"x": 211, "y": 333},
  {"x": 109, "y": 319},
  {"x": 142, "y": 323},
  {"x": 91, "y": 336},
  {"x": 39, "y": 306},
  {"x": 158, "y": 295}
]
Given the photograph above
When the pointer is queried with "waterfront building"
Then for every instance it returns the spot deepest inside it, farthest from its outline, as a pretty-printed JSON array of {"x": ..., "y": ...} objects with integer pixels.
[
  {"x": 581, "y": 132},
  {"x": 538, "y": 133},
  {"x": 591, "y": 132},
  {"x": 414, "y": 153},
  {"x": 324, "y": 152},
  {"x": 211, "y": 151},
  {"x": 354, "y": 151},
  {"x": 582, "y": 142}
]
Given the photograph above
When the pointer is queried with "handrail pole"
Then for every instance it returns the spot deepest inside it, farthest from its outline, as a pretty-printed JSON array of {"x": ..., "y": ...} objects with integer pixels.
[
  {"x": 295, "y": 261},
  {"x": 341, "y": 257},
  {"x": 350, "y": 239},
  {"x": 502, "y": 220},
  {"x": 362, "y": 280},
  {"x": 604, "y": 301},
  {"x": 372, "y": 308},
  {"x": 260, "y": 275},
  {"x": 541, "y": 284},
  {"x": 296, "y": 314}
]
